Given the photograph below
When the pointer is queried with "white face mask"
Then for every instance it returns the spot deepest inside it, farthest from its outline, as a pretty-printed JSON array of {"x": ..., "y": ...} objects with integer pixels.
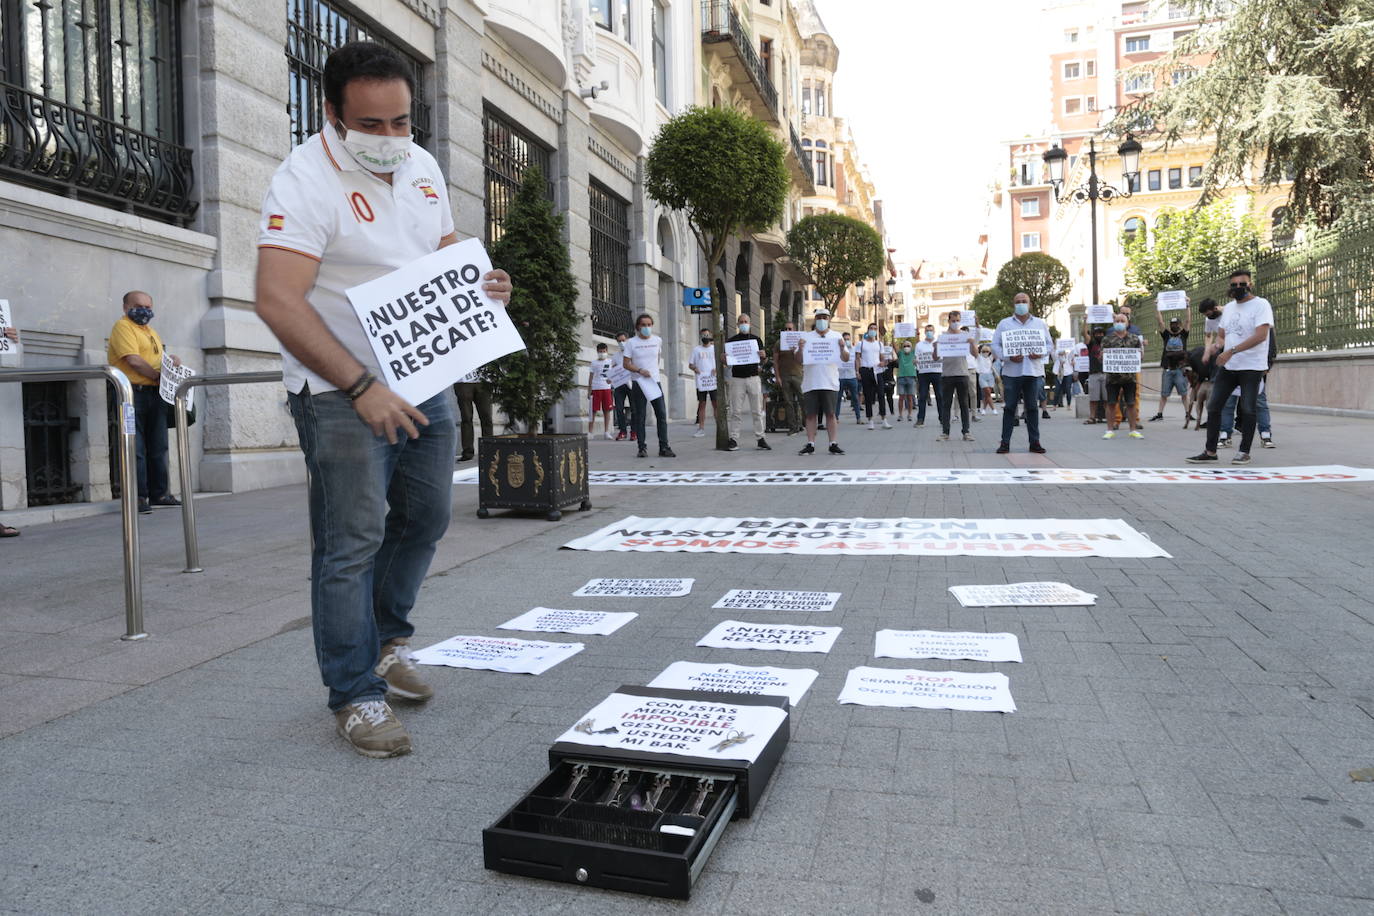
[{"x": 375, "y": 152}]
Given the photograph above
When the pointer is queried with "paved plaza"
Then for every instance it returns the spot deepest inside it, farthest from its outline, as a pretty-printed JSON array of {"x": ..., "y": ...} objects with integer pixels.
[{"x": 1183, "y": 746}]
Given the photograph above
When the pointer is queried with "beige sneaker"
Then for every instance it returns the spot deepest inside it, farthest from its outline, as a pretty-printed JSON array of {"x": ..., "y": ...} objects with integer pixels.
[
  {"x": 399, "y": 671},
  {"x": 372, "y": 729}
]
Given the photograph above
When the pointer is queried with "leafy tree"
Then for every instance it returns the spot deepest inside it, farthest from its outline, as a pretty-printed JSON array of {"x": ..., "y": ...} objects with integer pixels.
[
  {"x": 1038, "y": 275},
  {"x": 1189, "y": 246},
  {"x": 833, "y": 251},
  {"x": 725, "y": 172},
  {"x": 1287, "y": 91},
  {"x": 542, "y": 304},
  {"x": 992, "y": 305}
]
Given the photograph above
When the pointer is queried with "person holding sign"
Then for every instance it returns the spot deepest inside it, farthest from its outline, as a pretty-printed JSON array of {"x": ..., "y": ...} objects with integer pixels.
[
  {"x": 928, "y": 373},
  {"x": 354, "y": 203},
  {"x": 746, "y": 389},
  {"x": 787, "y": 370},
  {"x": 986, "y": 378},
  {"x": 599, "y": 390},
  {"x": 821, "y": 381},
  {"x": 871, "y": 368},
  {"x": 621, "y": 391},
  {"x": 1120, "y": 351},
  {"x": 906, "y": 381},
  {"x": 703, "y": 364},
  {"x": 1021, "y": 342},
  {"x": 953, "y": 350},
  {"x": 641, "y": 358},
  {"x": 849, "y": 382},
  {"x": 136, "y": 350},
  {"x": 1175, "y": 357}
]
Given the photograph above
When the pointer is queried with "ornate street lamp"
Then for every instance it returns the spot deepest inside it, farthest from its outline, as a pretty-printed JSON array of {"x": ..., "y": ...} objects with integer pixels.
[{"x": 1095, "y": 189}]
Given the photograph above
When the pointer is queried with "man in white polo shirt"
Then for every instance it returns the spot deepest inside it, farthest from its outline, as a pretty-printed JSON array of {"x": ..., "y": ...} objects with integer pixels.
[
  {"x": 353, "y": 203},
  {"x": 1243, "y": 338}
]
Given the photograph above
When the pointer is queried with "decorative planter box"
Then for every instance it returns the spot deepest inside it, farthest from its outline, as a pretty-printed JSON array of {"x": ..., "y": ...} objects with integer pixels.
[{"x": 541, "y": 473}]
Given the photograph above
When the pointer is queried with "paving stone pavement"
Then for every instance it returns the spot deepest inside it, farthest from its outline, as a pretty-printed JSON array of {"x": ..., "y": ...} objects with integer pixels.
[{"x": 1180, "y": 747}]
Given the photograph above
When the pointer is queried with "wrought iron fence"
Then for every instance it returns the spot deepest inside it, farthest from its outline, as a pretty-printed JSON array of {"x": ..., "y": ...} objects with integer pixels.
[
  {"x": 720, "y": 22},
  {"x": 47, "y": 451},
  {"x": 803, "y": 156},
  {"x": 507, "y": 152},
  {"x": 610, "y": 244}
]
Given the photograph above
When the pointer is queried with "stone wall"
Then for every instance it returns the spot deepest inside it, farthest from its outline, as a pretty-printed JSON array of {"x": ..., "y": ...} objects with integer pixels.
[{"x": 1339, "y": 380}]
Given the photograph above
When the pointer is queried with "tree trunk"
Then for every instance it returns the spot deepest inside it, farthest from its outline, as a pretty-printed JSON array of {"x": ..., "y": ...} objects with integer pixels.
[{"x": 718, "y": 336}]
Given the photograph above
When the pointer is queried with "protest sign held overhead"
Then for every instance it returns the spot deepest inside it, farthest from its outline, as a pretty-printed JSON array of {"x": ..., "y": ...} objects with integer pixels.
[
  {"x": 867, "y": 686},
  {"x": 513, "y": 656},
  {"x": 1171, "y": 301},
  {"x": 583, "y": 623},
  {"x": 171, "y": 376},
  {"x": 635, "y": 588},
  {"x": 787, "y": 340},
  {"x": 1021, "y": 594},
  {"x": 430, "y": 322},
  {"x": 968, "y": 318},
  {"x": 904, "y": 329},
  {"x": 1099, "y": 314},
  {"x": 982, "y": 647},
  {"x": 1120, "y": 360},
  {"x": 691, "y": 728},
  {"x": 788, "y": 682},
  {"x": 737, "y": 634},
  {"x": 741, "y": 352},
  {"x": 751, "y": 599},
  {"x": 1082, "y": 364}
]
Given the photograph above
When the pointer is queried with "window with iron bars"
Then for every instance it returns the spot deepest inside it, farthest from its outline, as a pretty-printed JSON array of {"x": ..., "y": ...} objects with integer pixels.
[
  {"x": 313, "y": 29},
  {"x": 507, "y": 152},
  {"x": 610, "y": 224}
]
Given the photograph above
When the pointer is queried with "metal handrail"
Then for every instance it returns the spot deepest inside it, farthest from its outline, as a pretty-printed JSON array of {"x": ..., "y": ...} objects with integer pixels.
[
  {"x": 188, "y": 504},
  {"x": 128, "y": 455}
]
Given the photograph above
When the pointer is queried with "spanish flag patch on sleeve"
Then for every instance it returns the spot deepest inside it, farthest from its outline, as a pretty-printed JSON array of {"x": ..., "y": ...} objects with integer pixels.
[{"x": 276, "y": 221}]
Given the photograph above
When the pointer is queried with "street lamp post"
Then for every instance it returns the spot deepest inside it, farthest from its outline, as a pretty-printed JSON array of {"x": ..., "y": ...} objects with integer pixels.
[{"x": 1095, "y": 188}]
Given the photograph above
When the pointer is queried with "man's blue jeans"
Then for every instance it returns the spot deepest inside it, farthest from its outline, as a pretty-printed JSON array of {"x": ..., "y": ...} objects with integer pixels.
[
  {"x": 1063, "y": 391},
  {"x": 1228, "y": 414},
  {"x": 850, "y": 386},
  {"x": 377, "y": 511},
  {"x": 1017, "y": 391}
]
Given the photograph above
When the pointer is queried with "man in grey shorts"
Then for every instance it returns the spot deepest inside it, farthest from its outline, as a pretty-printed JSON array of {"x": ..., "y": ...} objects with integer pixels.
[{"x": 821, "y": 385}]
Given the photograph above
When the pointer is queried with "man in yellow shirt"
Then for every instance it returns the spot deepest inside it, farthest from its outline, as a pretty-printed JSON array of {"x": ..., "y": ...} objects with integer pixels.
[{"x": 136, "y": 350}]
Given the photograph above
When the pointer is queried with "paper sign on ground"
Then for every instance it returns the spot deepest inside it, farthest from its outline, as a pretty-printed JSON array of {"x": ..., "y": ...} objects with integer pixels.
[
  {"x": 787, "y": 340},
  {"x": 787, "y": 682},
  {"x": 990, "y": 692},
  {"x": 741, "y": 352},
  {"x": 172, "y": 376},
  {"x": 1099, "y": 314},
  {"x": 1023, "y": 341},
  {"x": 513, "y": 656},
  {"x": 1082, "y": 364},
  {"x": 689, "y": 728},
  {"x": 583, "y": 623},
  {"x": 759, "y": 599},
  {"x": 1121, "y": 360},
  {"x": 7, "y": 347},
  {"x": 821, "y": 350},
  {"x": 1021, "y": 594},
  {"x": 982, "y": 647},
  {"x": 430, "y": 322},
  {"x": 706, "y": 382},
  {"x": 635, "y": 588},
  {"x": 1171, "y": 301},
  {"x": 738, "y": 634},
  {"x": 904, "y": 329},
  {"x": 858, "y": 537}
]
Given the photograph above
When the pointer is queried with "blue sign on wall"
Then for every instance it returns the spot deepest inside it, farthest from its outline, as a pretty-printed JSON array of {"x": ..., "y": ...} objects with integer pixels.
[{"x": 698, "y": 299}]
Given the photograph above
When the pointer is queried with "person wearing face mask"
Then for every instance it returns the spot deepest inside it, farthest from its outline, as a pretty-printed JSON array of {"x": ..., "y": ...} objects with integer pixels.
[
  {"x": 954, "y": 382},
  {"x": 871, "y": 368},
  {"x": 1174, "y": 358},
  {"x": 906, "y": 381},
  {"x": 1097, "y": 381},
  {"x": 849, "y": 381},
  {"x": 1243, "y": 338},
  {"x": 621, "y": 394},
  {"x": 928, "y": 374},
  {"x": 703, "y": 363},
  {"x": 351, "y": 204},
  {"x": 985, "y": 378},
  {"x": 642, "y": 353},
  {"x": 598, "y": 390},
  {"x": 136, "y": 350},
  {"x": 821, "y": 386},
  {"x": 1121, "y": 386},
  {"x": 746, "y": 390},
  {"x": 788, "y": 374},
  {"x": 1023, "y": 372}
]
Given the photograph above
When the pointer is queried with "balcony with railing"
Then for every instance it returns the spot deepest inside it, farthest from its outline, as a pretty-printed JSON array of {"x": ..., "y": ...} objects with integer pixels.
[
  {"x": 798, "y": 163},
  {"x": 722, "y": 30}
]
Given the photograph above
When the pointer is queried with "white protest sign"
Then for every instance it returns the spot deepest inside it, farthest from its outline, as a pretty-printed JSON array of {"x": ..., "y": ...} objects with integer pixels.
[
  {"x": 650, "y": 388},
  {"x": 785, "y": 682},
  {"x": 757, "y": 599},
  {"x": 7, "y": 347},
  {"x": 1023, "y": 341},
  {"x": 857, "y": 537},
  {"x": 171, "y": 376},
  {"x": 925, "y": 358},
  {"x": 513, "y": 656},
  {"x": 583, "y": 623},
  {"x": 635, "y": 588},
  {"x": 928, "y": 689},
  {"x": 1082, "y": 364},
  {"x": 1099, "y": 314},
  {"x": 737, "y": 634},
  {"x": 1171, "y": 301},
  {"x": 706, "y": 382},
  {"x": 1120, "y": 360},
  {"x": 968, "y": 318},
  {"x": 619, "y": 376},
  {"x": 1066, "y": 345},
  {"x": 1021, "y": 594},
  {"x": 787, "y": 340},
  {"x": 904, "y": 329},
  {"x": 822, "y": 350},
  {"x": 691, "y": 728},
  {"x": 430, "y": 322},
  {"x": 985, "y": 334},
  {"x": 983, "y": 647},
  {"x": 953, "y": 343},
  {"x": 741, "y": 352}
]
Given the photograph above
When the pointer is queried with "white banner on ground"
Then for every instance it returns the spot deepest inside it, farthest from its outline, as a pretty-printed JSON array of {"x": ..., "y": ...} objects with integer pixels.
[
  {"x": 928, "y": 689},
  {"x": 706, "y": 382},
  {"x": 786, "y": 682},
  {"x": 1024, "y": 342},
  {"x": 760, "y": 599},
  {"x": 635, "y": 588},
  {"x": 1171, "y": 301},
  {"x": 513, "y": 656},
  {"x": 583, "y": 623},
  {"x": 1029, "y": 537},
  {"x": 1099, "y": 314},
  {"x": 729, "y": 731},
  {"x": 171, "y": 376},
  {"x": 787, "y": 340},
  {"x": 1120, "y": 360},
  {"x": 982, "y": 647},
  {"x": 741, "y": 352},
  {"x": 739, "y": 634},
  {"x": 430, "y": 322},
  {"x": 904, "y": 329},
  {"x": 7, "y": 347},
  {"x": 1021, "y": 594},
  {"x": 821, "y": 350}
]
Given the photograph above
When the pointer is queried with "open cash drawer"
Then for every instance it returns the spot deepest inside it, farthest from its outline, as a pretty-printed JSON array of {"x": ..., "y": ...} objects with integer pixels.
[{"x": 631, "y": 820}]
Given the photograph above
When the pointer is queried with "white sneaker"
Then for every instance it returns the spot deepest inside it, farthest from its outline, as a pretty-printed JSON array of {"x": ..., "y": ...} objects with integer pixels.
[
  {"x": 609, "y": 434},
  {"x": 870, "y": 425},
  {"x": 699, "y": 433},
  {"x": 886, "y": 425}
]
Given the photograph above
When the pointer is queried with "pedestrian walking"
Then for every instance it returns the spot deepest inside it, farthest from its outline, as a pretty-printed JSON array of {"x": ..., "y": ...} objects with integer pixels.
[
  {"x": 821, "y": 386},
  {"x": 928, "y": 373},
  {"x": 1023, "y": 372},
  {"x": 746, "y": 391},
  {"x": 703, "y": 365},
  {"x": 473, "y": 398},
  {"x": 136, "y": 350},
  {"x": 1122, "y": 386},
  {"x": 598, "y": 390},
  {"x": 871, "y": 368},
  {"x": 642, "y": 354},
  {"x": 380, "y": 468},
  {"x": 788, "y": 373},
  {"x": 1243, "y": 337},
  {"x": 849, "y": 381},
  {"x": 954, "y": 382}
]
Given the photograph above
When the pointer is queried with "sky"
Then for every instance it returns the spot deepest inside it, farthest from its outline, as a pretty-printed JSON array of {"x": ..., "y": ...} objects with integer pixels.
[{"x": 929, "y": 88}]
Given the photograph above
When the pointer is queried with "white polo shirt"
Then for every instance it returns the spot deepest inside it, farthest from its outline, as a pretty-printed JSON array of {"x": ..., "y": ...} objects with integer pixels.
[{"x": 324, "y": 205}]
